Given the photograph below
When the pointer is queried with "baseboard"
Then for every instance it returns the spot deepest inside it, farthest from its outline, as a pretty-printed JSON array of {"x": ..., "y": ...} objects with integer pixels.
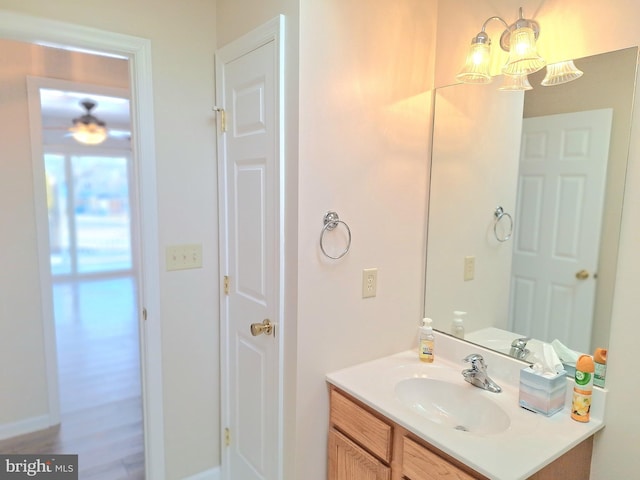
[
  {"x": 22, "y": 427},
  {"x": 211, "y": 474}
]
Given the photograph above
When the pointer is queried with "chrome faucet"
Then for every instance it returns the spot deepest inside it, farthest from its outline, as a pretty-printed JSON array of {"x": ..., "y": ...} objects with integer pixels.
[
  {"x": 518, "y": 348},
  {"x": 477, "y": 374}
]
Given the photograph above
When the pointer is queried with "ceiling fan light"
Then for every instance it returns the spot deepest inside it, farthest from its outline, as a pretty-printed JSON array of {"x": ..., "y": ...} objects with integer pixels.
[
  {"x": 89, "y": 134},
  {"x": 87, "y": 129}
]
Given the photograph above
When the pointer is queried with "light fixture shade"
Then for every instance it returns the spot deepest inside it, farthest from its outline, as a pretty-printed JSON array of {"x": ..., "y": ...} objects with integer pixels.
[
  {"x": 89, "y": 134},
  {"x": 561, "y": 72},
  {"x": 476, "y": 68},
  {"x": 523, "y": 54},
  {"x": 515, "y": 83}
]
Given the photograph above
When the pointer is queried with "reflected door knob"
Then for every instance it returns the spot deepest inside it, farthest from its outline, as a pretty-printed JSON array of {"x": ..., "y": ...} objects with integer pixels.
[
  {"x": 582, "y": 275},
  {"x": 265, "y": 327}
]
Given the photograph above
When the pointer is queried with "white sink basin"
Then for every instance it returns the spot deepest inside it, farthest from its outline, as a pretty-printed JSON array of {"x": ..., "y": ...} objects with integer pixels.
[{"x": 461, "y": 407}]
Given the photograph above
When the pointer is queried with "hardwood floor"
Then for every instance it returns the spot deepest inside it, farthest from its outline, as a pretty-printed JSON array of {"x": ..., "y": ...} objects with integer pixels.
[{"x": 99, "y": 382}]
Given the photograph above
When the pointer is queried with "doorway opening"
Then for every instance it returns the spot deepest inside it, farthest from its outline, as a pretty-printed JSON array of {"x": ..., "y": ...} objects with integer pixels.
[
  {"x": 85, "y": 204},
  {"x": 90, "y": 212},
  {"x": 92, "y": 256},
  {"x": 29, "y": 286}
]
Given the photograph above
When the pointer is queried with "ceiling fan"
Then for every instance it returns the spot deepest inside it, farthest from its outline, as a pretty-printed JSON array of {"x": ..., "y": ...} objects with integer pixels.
[{"x": 88, "y": 129}]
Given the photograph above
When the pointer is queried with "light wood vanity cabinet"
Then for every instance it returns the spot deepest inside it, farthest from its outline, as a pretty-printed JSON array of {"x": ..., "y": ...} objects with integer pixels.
[{"x": 365, "y": 445}]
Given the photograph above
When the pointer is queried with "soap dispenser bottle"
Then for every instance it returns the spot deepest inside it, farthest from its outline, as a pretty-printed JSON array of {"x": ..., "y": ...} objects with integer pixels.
[
  {"x": 457, "y": 326},
  {"x": 426, "y": 341}
]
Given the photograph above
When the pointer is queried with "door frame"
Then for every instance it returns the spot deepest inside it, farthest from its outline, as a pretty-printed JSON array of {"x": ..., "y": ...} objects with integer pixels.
[
  {"x": 271, "y": 31},
  {"x": 25, "y": 28}
]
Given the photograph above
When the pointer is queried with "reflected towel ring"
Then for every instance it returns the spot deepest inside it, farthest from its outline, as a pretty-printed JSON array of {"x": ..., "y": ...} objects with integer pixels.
[
  {"x": 331, "y": 221},
  {"x": 500, "y": 214}
]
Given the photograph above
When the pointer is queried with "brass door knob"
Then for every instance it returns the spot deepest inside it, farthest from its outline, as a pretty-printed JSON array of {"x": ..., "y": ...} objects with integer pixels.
[
  {"x": 265, "y": 327},
  {"x": 582, "y": 275}
]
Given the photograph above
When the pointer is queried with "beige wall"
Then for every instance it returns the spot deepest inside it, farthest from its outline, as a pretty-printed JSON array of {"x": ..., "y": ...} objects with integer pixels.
[
  {"x": 24, "y": 390},
  {"x": 183, "y": 41},
  {"x": 568, "y": 30}
]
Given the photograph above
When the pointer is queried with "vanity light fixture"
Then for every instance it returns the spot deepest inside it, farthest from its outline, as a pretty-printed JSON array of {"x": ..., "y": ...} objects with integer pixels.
[
  {"x": 561, "y": 72},
  {"x": 87, "y": 129},
  {"x": 519, "y": 39},
  {"x": 515, "y": 82}
]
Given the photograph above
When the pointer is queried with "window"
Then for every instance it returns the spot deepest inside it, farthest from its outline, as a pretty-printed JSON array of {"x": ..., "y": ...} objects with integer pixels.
[{"x": 89, "y": 213}]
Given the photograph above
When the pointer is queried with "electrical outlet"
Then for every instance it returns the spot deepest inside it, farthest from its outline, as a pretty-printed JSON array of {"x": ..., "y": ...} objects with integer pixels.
[
  {"x": 182, "y": 257},
  {"x": 369, "y": 282},
  {"x": 469, "y": 268}
]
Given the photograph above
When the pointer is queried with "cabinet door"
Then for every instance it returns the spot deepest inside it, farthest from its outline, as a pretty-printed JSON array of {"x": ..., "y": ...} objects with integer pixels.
[{"x": 347, "y": 461}]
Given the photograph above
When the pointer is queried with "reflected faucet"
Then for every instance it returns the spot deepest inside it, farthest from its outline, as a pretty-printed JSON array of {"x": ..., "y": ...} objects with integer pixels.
[
  {"x": 477, "y": 374},
  {"x": 518, "y": 348}
]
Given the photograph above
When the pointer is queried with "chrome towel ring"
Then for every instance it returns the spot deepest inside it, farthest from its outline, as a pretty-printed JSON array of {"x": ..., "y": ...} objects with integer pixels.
[
  {"x": 331, "y": 221},
  {"x": 500, "y": 214}
]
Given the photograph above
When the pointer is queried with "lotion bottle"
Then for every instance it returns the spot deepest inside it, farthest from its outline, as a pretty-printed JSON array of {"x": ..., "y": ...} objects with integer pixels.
[
  {"x": 426, "y": 341},
  {"x": 457, "y": 326},
  {"x": 583, "y": 389}
]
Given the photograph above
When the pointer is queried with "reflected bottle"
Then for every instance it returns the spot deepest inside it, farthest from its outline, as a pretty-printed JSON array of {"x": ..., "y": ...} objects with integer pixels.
[
  {"x": 457, "y": 326},
  {"x": 600, "y": 359}
]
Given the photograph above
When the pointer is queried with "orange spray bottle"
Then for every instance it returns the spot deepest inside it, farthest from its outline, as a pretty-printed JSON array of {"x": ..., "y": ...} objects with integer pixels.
[
  {"x": 600, "y": 357},
  {"x": 582, "y": 389}
]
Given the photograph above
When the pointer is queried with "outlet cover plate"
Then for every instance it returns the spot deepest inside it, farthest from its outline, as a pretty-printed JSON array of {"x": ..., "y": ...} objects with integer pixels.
[{"x": 369, "y": 282}]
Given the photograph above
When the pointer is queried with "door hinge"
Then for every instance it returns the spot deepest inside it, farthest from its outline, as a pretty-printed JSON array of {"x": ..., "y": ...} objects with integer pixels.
[
  {"x": 144, "y": 314},
  {"x": 226, "y": 284},
  {"x": 227, "y": 436},
  {"x": 223, "y": 118}
]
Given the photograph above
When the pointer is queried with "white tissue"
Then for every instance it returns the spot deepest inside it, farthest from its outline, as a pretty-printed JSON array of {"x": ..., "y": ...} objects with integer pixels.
[
  {"x": 545, "y": 360},
  {"x": 566, "y": 354}
]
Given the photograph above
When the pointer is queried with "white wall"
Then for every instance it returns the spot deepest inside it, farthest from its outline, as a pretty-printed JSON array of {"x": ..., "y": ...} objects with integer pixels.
[
  {"x": 183, "y": 40},
  {"x": 472, "y": 172},
  {"x": 567, "y": 31},
  {"x": 365, "y": 74}
]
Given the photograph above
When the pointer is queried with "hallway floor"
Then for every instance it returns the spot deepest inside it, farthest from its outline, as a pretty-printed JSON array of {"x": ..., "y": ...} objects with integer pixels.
[{"x": 99, "y": 382}]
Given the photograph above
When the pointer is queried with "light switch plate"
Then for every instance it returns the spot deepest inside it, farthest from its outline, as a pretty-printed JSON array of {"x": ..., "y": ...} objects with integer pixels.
[
  {"x": 469, "y": 268},
  {"x": 183, "y": 257}
]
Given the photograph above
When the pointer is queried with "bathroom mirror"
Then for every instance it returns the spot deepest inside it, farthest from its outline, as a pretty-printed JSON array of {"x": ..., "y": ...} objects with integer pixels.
[{"x": 498, "y": 151}]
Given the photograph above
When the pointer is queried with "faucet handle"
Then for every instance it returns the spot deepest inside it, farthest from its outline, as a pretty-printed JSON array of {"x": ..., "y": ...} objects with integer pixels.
[
  {"x": 476, "y": 361},
  {"x": 520, "y": 342}
]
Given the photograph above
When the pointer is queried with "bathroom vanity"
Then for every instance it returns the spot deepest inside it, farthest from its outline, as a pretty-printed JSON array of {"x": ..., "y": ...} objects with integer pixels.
[{"x": 382, "y": 425}]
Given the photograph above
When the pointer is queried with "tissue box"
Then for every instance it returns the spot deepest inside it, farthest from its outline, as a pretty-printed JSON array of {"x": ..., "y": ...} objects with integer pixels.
[{"x": 541, "y": 393}]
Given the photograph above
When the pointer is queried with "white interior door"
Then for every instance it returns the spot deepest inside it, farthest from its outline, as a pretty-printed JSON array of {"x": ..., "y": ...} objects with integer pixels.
[
  {"x": 563, "y": 165},
  {"x": 247, "y": 76}
]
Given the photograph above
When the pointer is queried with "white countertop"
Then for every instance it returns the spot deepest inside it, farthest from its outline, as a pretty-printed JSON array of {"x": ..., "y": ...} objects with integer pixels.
[{"x": 532, "y": 440}]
